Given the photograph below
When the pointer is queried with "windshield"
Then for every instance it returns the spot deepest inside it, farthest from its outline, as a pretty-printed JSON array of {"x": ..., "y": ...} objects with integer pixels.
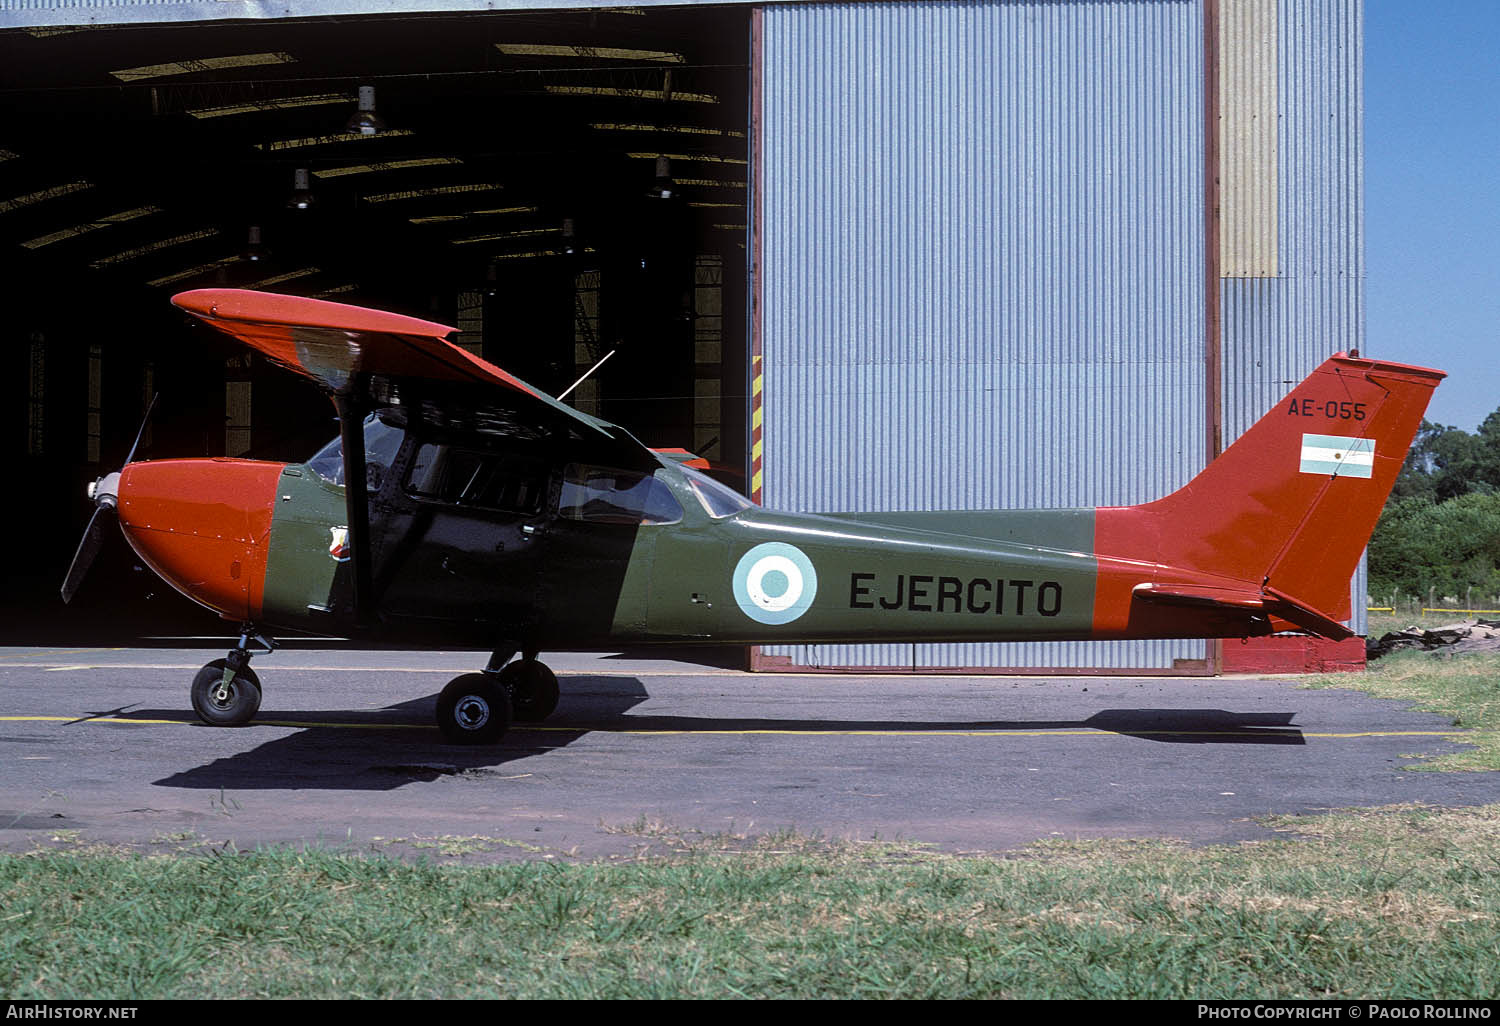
[
  {"x": 382, "y": 440},
  {"x": 719, "y": 500}
]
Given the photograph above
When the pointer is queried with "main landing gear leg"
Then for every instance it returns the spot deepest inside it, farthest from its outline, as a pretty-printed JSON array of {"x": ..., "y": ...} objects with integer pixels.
[
  {"x": 477, "y": 708},
  {"x": 226, "y": 692},
  {"x": 532, "y": 687}
]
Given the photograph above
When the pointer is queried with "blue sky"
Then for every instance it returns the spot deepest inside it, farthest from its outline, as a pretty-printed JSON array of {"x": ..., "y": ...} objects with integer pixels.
[{"x": 1432, "y": 196}]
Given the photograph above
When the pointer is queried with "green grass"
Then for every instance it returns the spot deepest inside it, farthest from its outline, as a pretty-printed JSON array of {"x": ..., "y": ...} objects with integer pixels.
[
  {"x": 1385, "y": 623},
  {"x": 1393, "y": 903},
  {"x": 1463, "y": 687}
]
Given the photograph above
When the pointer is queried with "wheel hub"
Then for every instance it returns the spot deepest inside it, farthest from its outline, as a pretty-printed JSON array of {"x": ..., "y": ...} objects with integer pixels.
[{"x": 472, "y": 712}]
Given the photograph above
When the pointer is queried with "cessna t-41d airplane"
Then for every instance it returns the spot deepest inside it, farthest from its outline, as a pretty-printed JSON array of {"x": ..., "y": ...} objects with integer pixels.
[{"x": 461, "y": 505}]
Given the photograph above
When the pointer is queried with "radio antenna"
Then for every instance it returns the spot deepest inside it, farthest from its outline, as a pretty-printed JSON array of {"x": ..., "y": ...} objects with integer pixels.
[{"x": 586, "y": 374}]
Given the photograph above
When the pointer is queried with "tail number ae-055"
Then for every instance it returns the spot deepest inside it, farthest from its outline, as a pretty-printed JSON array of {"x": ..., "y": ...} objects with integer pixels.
[{"x": 1333, "y": 409}]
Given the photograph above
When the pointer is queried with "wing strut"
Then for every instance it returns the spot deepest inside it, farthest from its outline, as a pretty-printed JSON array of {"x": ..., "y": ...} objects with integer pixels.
[{"x": 356, "y": 499}]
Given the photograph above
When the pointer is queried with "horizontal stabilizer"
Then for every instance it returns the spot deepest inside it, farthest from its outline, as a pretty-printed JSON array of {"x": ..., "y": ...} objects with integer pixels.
[
  {"x": 1267, "y": 603},
  {"x": 1209, "y": 598},
  {"x": 1306, "y": 617}
]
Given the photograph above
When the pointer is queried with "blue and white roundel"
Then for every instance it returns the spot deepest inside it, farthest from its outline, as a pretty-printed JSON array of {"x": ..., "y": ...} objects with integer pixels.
[{"x": 774, "y": 583}]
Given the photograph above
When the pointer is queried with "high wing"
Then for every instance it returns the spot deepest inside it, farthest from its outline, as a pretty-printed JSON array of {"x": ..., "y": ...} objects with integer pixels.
[
  {"x": 351, "y": 351},
  {"x": 369, "y": 358}
]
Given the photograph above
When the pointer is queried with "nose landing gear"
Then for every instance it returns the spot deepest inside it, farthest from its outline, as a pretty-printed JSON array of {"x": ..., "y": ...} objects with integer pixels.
[{"x": 226, "y": 692}]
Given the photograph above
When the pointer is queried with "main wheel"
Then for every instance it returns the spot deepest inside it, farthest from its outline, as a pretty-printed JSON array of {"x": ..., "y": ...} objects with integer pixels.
[
  {"x": 533, "y": 689},
  {"x": 225, "y": 705},
  {"x": 473, "y": 710}
]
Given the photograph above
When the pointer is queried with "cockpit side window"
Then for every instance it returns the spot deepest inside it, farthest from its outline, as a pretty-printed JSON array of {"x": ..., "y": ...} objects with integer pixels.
[
  {"x": 486, "y": 480},
  {"x": 382, "y": 442},
  {"x": 603, "y": 495}
]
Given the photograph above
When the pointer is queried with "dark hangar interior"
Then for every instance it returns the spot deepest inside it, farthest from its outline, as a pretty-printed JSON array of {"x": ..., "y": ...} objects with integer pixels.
[{"x": 560, "y": 186}]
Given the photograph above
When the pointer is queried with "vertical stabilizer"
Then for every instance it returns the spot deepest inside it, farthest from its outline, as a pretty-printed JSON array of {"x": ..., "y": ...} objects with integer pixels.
[{"x": 1287, "y": 510}]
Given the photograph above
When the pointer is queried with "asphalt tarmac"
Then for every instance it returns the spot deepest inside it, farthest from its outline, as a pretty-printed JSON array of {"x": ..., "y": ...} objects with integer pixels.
[{"x": 101, "y": 745}]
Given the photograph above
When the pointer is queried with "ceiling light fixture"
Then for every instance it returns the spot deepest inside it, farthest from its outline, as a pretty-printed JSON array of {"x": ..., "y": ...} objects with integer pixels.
[
  {"x": 662, "y": 188},
  {"x": 302, "y": 197},
  {"x": 254, "y": 251},
  {"x": 365, "y": 121}
]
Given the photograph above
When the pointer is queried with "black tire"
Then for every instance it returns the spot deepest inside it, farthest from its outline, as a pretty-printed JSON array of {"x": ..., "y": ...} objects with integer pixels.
[
  {"x": 533, "y": 690},
  {"x": 473, "y": 710},
  {"x": 235, "y": 706}
]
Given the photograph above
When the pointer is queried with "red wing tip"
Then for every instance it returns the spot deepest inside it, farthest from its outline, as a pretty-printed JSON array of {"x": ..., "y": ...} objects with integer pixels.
[
  {"x": 299, "y": 311},
  {"x": 197, "y": 301}
]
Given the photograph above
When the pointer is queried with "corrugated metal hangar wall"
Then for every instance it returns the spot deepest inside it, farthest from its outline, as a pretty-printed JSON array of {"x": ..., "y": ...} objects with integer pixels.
[{"x": 1012, "y": 254}]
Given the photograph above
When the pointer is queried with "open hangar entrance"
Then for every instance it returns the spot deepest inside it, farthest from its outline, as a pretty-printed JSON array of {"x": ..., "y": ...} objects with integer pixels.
[{"x": 562, "y": 186}]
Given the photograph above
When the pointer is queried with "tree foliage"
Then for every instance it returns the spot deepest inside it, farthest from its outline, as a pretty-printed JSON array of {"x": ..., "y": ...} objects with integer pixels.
[{"x": 1441, "y": 527}]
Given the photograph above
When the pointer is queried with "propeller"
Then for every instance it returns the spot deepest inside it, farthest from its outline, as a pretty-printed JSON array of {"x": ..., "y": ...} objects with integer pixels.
[{"x": 106, "y": 495}]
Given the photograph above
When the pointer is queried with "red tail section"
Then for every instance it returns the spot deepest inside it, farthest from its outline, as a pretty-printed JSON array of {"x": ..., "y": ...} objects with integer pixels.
[{"x": 1272, "y": 530}]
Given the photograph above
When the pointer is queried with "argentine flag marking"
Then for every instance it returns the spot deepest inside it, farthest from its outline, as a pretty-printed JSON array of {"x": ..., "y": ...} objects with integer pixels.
[{"x": 1338, "y": 456}]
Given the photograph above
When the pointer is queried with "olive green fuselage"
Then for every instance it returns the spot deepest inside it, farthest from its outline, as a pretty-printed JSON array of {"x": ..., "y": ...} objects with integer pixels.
[{"x": 442, "y": 572}]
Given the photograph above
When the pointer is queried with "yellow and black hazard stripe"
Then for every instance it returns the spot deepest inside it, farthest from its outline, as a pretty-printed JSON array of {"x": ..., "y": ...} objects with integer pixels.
[{"x": 757, "y": 443}]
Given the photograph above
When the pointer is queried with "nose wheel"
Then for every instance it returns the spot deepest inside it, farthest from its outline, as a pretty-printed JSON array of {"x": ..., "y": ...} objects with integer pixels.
[
  {"x": 226, "y": 692},
  {"x": 225, "y": 703}
]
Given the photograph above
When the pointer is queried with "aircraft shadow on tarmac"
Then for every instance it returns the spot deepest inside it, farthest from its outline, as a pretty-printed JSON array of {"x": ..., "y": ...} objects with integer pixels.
[{"x": 387, "y": 748}]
